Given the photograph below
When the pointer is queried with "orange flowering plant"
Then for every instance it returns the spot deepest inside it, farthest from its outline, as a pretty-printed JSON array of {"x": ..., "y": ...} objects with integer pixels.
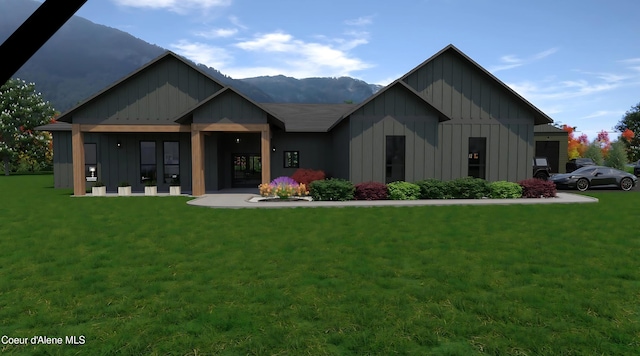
[{"x": 283, "y": 188}]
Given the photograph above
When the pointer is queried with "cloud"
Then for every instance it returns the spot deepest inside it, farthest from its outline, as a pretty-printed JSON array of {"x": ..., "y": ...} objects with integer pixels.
[
  {"x": 360, "y": 21},
  {"x": 512, "y": 61},
  {"x": 297, "y": 58},
  {"x": 202, "y": 53},
  {"x": 217, "y": 33},
  {"x": 603, "y": 113},
  {"x": 178, "y": 6},
  {"x": 237, "y": 23}
]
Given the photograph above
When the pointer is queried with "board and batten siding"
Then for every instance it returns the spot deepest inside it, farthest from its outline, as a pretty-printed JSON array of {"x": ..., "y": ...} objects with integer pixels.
[
  {"x": 229, "y": 107},
  {"x": 479, "y": 106},
  {"x": 341, "y": 148},
  {"x": 396, "y": 112},
  {"x": 509, "y": 150},
  {"x": 122, "y": 164},
  {"x": 314, "y": 148},
  {"x": 62, "y": 160},
  {"x": 463, "y": 91},
  {"x": 155, "y": 95}
]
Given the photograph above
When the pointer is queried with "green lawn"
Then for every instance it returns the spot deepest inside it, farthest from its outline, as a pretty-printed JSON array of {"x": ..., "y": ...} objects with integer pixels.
[{"x": 155, "y": 276}]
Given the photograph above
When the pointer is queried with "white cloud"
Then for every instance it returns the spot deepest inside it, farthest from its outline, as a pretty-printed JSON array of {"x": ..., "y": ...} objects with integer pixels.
[
  {"x": 217, "y": 33},
  {"x": 179, "y": 6},
  {"x": 360, "y": 21},
  {"x": 237, "y": 23},
  {"x": 297, "y": 58},
  {"x": 202, "y": 53},
  {"x": 603, "y": 113},
  {"x": 512, "y": 61}
]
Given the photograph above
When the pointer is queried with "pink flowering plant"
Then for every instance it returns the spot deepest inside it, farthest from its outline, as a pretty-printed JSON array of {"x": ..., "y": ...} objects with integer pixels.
[{"x": 283, "y": 188}]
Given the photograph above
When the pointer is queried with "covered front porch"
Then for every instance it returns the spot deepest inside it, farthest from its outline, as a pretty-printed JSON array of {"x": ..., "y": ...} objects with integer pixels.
[{"x": 245, "y": 166}]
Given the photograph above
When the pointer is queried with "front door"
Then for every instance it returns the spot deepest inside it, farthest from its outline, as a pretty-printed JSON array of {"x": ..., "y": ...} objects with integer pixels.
[{"x": 246, "y": 171}]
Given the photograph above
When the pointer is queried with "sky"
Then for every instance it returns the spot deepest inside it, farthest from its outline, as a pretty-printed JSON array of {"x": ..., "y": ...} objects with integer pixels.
[{"x": 576, "y": 60}]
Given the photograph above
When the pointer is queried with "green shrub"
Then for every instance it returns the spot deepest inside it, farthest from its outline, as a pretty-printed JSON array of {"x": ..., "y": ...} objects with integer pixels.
[
  {"x": 334, "y": 189},
  {"x": 468, "y": 188},
  {"x": 433, "y": 189},
  {"x": 505, "y": 190},
  {"x": 403, "y": 191}
]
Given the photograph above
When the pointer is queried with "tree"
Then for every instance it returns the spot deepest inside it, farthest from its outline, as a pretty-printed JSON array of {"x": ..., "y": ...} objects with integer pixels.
[
  {"x": 594, "y": 151},
  {"x": 631, "y": 121},
  {"x": 617, "y": 157},
  {"x": 603, "y": 141},
  {"x": 577, "y": 146},
  {"x": 21, "y": 110}
]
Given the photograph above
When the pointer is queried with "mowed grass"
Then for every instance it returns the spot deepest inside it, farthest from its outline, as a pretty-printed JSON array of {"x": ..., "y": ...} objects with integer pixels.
[{"x": 155, "y": 276}]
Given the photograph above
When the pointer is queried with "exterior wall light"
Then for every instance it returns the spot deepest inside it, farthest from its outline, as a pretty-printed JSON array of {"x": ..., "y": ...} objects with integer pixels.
[
  {"x": 119, "y": 144},
  {"x": 273, "y": 148}
]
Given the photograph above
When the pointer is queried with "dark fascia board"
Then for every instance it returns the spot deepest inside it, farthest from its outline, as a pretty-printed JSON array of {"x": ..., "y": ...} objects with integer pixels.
[
  {"x": 548, "y": 129},
  {"x": 187, "y": 116},
  {"x": 55, "y": 126},
  {"x": 541, "y": 119},
  {"x": 441, "y": 116},
  {"x": 67, "y": 116}
]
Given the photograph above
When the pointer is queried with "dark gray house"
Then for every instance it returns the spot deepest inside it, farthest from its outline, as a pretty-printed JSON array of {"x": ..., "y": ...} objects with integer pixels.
[{"x": 445, "y": 119}]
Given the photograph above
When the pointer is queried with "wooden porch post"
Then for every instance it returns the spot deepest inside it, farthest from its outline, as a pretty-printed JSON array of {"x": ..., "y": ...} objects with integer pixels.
[
  {"x": 266, "y": 155},
  {"x": 77, "y": 149},
  {"x": 197, "y": 162}
]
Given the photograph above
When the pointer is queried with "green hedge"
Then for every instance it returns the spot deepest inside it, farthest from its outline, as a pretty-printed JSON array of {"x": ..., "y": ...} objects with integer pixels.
[
  {"x": 433, "y": 189},
  {"x": 403, "y": 191},
  {"x": 468, "y": 188},
  {"x": 333, "y": 189},
  {"x": 505, "y": 190}
]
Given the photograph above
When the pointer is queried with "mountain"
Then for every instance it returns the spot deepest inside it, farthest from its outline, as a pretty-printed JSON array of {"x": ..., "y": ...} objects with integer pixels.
[{"x": 83, "y": 58}]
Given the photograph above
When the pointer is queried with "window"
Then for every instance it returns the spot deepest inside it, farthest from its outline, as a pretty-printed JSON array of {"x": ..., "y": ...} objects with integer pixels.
[
  {"x": 171, "y": 161},
  {"x": 477, "y": 157},
  {"x": 91, "y": 162},
  {"x": 148, "y": 167},
  {"x": 291, "y": 159},
  {"x": 395, "y": 159}
]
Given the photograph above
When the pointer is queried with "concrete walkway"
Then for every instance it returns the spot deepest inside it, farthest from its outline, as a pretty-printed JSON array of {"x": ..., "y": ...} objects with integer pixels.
[{"x": 242, "y": 199}]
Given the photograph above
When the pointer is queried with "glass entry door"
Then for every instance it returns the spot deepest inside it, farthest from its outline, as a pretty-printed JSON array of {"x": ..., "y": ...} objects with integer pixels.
[{"x": 247, "y": 170}]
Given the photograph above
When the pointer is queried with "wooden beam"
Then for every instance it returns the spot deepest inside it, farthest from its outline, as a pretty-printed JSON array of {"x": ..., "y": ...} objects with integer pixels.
[
  {"x": 266, "y": 155},
  {"x": 231, "y": 127},
  {"x": 77, "y": 143},
  {"x": 197, "y": 163},
  {"x": 135, "y": 128}
]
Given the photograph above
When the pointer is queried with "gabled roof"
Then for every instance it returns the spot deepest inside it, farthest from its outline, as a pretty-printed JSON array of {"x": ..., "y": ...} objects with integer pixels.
[
  {"x": 168, "y": 54},
  {"x": 308, "y": 117},
  {"x": 540, "y": 118},
  {"x": 187, "y": 116},
  {"x": 549, "y": 129},
  {"x": 441, "y": 116},
  {"x": 55, "y": 126}
]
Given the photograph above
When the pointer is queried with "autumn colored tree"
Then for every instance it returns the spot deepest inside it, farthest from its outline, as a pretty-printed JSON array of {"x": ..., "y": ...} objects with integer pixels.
[
  {"x": 604, "y": 142},
  {"x": 22, "y": 109},
  {"x": 631, "y": 121},
  {"x": 577, "y": 146}
]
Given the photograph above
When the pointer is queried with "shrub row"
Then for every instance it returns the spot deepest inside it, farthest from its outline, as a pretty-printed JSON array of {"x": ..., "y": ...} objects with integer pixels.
[{"x": 462, "y": 188}]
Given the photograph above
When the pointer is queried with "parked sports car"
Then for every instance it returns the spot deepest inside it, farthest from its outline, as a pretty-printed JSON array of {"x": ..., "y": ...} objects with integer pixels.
[{"x": 595, "y": 176}]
